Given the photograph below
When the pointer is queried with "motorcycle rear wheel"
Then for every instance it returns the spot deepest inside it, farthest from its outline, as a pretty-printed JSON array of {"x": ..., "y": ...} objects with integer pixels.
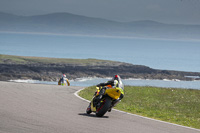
[{"x": 105, "y": 105}]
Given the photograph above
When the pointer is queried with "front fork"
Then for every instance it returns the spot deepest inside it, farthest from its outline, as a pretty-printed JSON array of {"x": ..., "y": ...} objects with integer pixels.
[{"x": 98, "y": 96}]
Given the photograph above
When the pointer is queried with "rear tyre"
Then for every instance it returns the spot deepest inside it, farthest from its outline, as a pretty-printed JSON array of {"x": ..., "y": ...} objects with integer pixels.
[{"x": 105, "y": 105}]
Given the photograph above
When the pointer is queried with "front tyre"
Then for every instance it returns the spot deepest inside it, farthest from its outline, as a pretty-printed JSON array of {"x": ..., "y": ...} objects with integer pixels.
[
  {"x": 88, "y": 110},
  {"x": 104, "y": 106}
]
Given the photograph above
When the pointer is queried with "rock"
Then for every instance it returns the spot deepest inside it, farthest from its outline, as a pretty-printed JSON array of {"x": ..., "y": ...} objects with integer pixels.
[{"x": 52, "y": 72}]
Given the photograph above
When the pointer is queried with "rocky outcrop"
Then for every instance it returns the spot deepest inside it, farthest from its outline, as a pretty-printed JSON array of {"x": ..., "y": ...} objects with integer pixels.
[{"x": 52, "y": 72}]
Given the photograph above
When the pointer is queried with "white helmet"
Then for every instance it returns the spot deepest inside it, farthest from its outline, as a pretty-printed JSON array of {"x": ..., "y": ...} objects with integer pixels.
[{"x": 64, "y": 76}]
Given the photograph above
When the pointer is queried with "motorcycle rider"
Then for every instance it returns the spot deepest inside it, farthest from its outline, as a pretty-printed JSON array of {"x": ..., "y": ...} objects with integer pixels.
[
  {"x": 114, "y": 83},
  {"x": 63, "y": 81}
]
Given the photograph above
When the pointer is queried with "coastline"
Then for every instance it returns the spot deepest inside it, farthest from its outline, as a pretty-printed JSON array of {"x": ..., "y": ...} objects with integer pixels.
[
  {"x": 91, "y": 81},
  {"x": 50, "y": 69}
]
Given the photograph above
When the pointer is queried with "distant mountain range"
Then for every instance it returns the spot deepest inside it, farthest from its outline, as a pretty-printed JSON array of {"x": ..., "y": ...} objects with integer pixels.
[{"x": 66, "y": 23}]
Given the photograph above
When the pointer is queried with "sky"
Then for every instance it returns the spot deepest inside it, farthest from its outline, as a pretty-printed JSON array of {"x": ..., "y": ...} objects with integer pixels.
[{"x": 165, "y": 11}]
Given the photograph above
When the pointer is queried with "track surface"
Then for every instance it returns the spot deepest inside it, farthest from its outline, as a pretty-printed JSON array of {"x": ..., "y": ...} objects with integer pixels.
[{"x": 36, "y": 108}]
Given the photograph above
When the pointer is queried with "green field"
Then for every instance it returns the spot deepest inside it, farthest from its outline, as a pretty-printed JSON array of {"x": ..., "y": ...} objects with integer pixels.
[
  {"x": 180, "y": 106},
  {"x": 7, "y": 59}
]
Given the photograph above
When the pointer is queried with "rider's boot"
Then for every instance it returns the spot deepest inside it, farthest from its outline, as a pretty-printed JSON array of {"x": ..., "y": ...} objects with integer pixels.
[{"x": 114, "y": 104}]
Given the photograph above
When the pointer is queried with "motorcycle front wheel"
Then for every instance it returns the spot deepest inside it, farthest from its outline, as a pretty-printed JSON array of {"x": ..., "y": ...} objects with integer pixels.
[
  {"x": 88, "y": 110},
  {"x": 104, "y": 106}
]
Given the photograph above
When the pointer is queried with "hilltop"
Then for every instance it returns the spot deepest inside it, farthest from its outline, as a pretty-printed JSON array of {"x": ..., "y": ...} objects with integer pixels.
[
  {"x": 66, "y": 23},
  {"x": 50, "y": 69}
]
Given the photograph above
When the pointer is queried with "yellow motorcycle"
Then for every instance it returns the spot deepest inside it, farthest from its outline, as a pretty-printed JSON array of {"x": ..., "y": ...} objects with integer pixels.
[{"x": 103, "y": 100}]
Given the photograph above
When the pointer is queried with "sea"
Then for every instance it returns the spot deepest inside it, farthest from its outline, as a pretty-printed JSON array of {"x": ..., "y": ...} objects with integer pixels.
[{"x": 165, "y": 54}]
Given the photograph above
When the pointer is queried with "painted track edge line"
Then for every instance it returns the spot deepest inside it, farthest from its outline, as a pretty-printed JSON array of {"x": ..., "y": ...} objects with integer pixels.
[{"x": 76, "y": 94}]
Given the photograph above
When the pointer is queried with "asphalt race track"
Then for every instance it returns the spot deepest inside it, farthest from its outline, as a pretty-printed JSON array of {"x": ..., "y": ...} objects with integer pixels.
[{"x": 38, "y": 108}]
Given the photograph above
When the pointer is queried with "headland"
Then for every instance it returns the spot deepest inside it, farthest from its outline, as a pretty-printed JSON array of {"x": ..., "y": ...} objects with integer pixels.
[{"x": 50, "y": 69}]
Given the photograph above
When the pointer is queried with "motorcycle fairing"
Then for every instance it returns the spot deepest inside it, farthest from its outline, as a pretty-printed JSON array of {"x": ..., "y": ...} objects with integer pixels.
[{"x": 113, "y": 93}]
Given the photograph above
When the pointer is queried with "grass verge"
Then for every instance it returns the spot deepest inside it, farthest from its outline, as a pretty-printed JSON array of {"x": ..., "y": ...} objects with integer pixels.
[
  {"x": 180, "y": 106},
  {"x": 7, "y": 59}
]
